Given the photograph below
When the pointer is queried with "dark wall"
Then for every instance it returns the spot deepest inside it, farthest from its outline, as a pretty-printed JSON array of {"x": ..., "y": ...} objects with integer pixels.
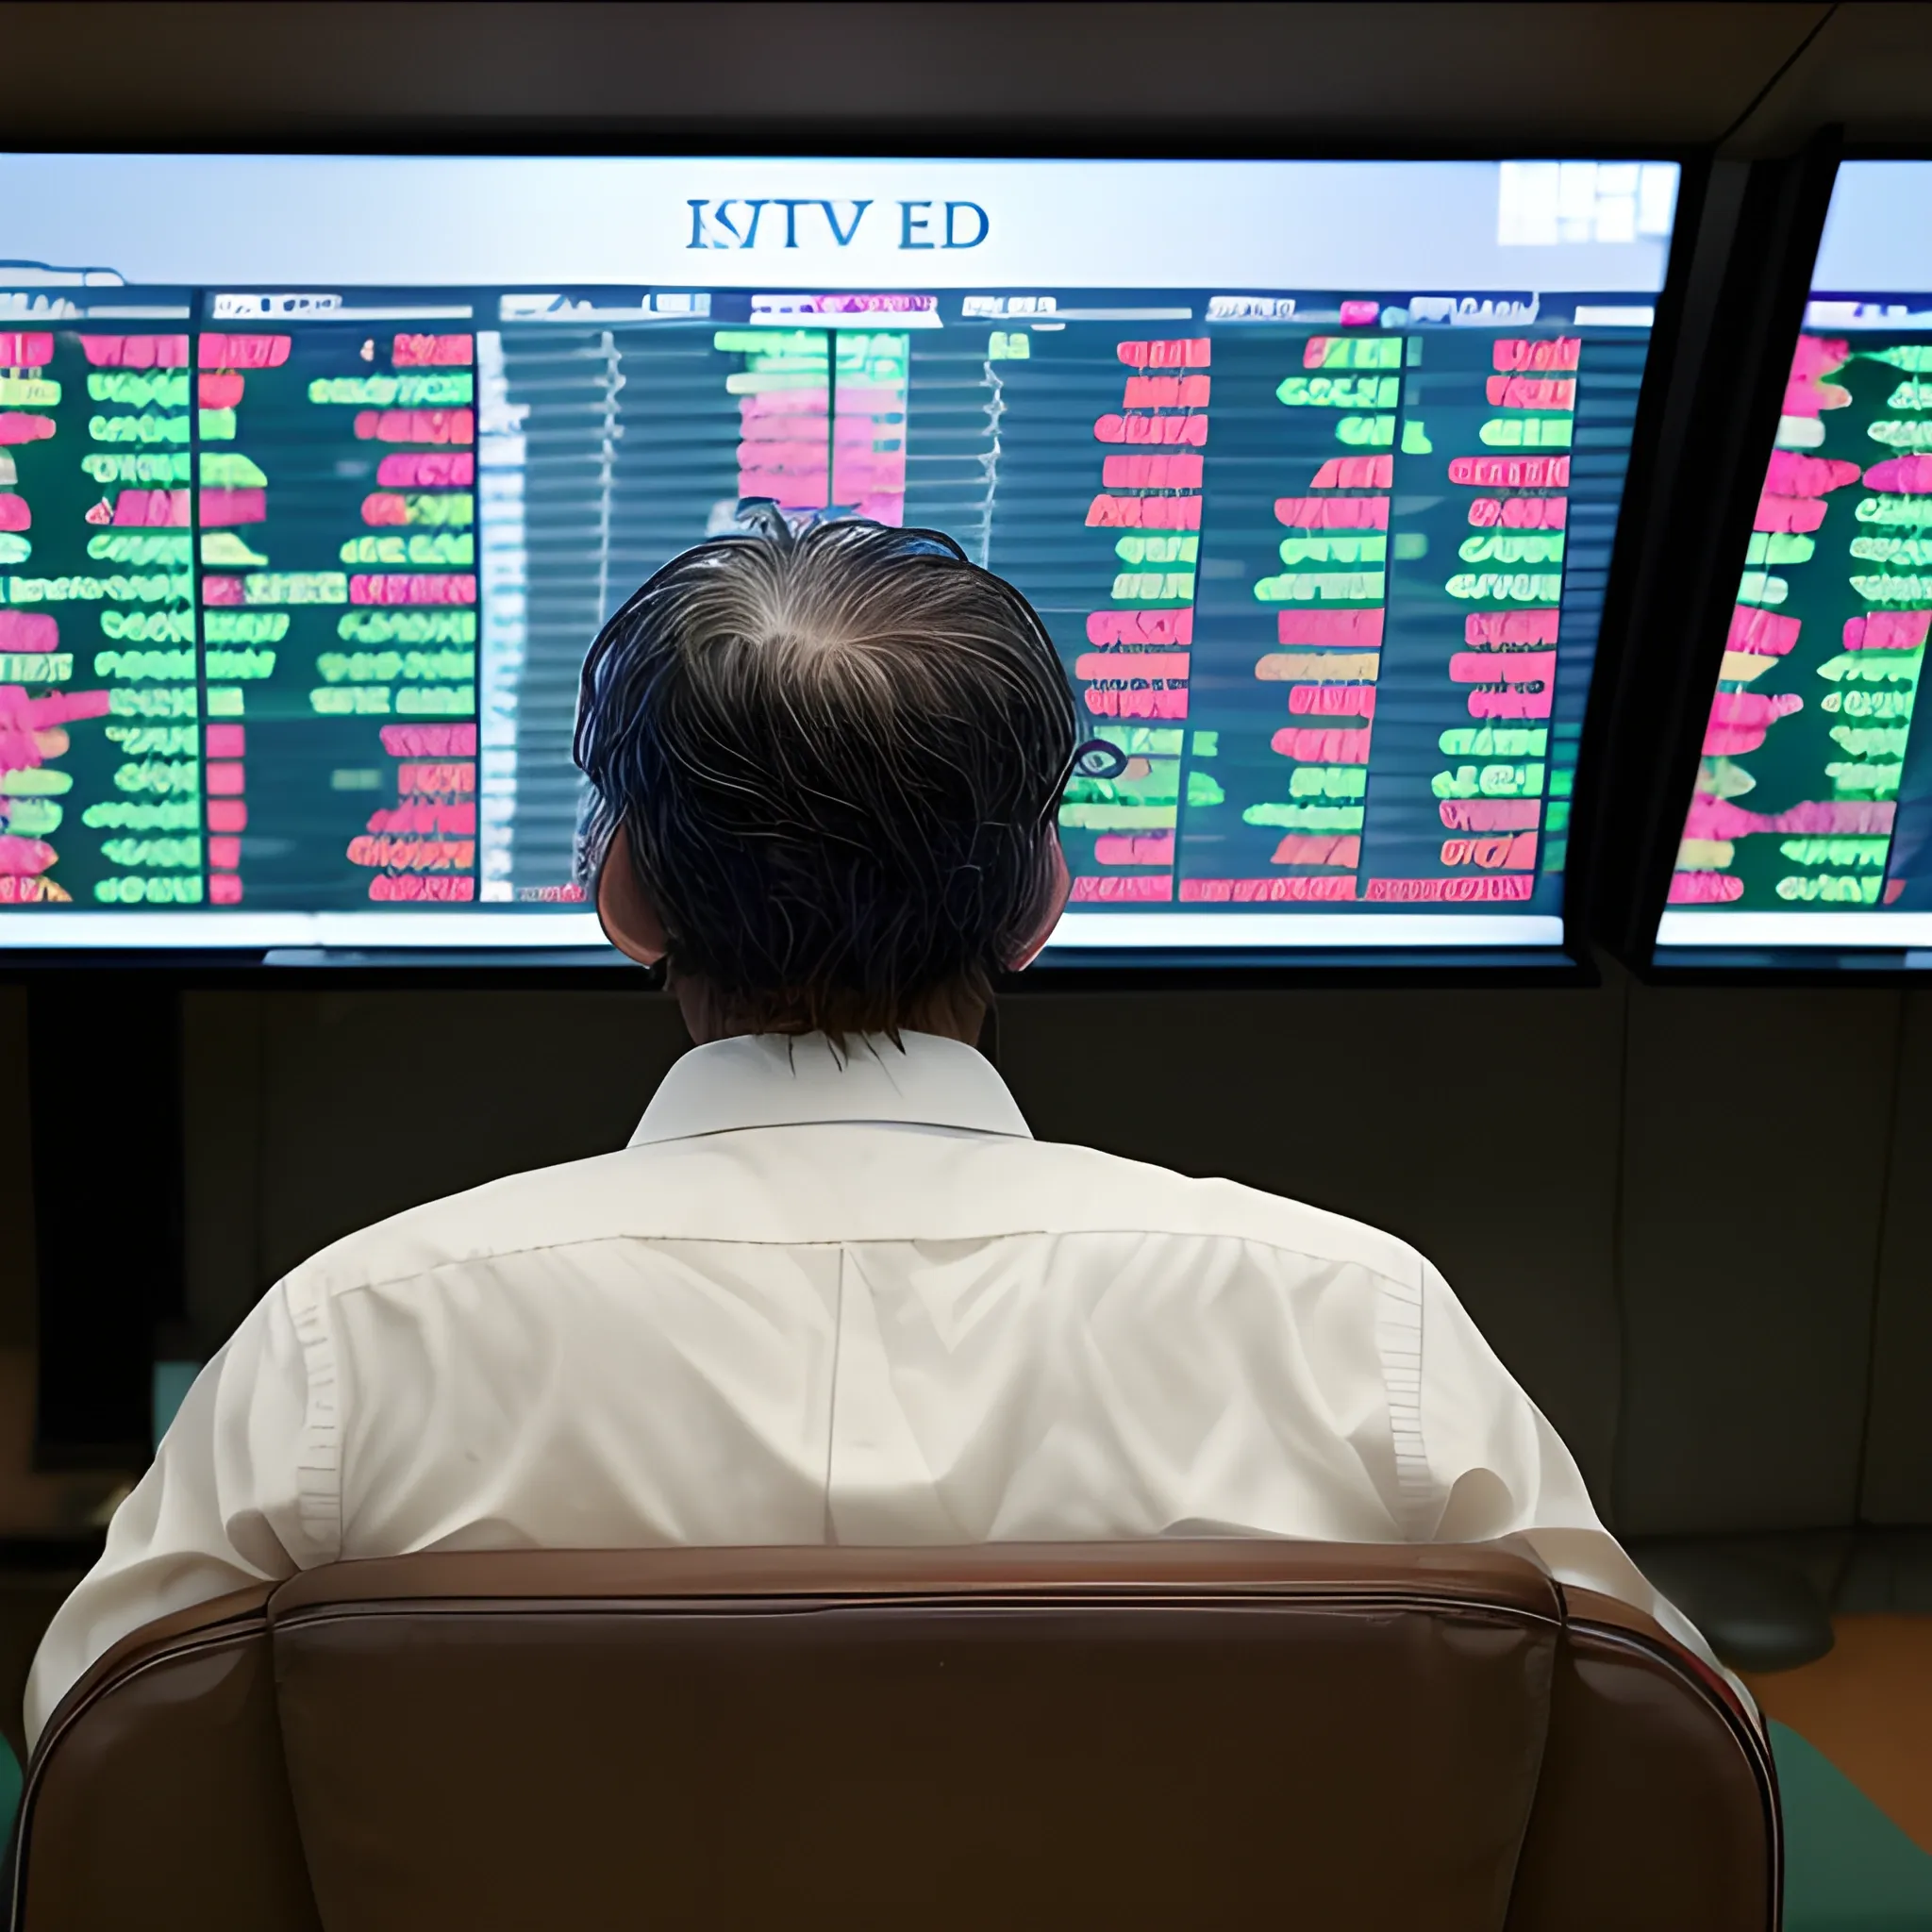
[
  {"x": 1694, "y": 1223},
  {"x": 1759, "y": 77},
  {"x": 1540, "y": 73},
  {"x": 16, "y": 1178}
]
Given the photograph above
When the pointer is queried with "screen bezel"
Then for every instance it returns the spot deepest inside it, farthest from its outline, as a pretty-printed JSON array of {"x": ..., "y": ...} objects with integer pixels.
[
  {"x": 1774, "y": 325},
  {"x": 1569, "y": 962}
]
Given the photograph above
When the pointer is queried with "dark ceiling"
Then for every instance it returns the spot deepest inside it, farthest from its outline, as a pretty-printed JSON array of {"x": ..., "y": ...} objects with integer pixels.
[{"x": 1112, "y": 73}]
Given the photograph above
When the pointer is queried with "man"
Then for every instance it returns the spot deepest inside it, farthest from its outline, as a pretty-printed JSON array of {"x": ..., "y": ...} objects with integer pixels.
[{"x": 833, "y": 1291}]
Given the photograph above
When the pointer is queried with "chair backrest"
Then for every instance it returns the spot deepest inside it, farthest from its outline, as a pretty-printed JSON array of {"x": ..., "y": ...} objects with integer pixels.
[{"x": 1115, "y": 1736}]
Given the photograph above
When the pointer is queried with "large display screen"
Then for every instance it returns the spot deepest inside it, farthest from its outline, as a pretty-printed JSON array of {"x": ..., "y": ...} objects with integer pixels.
[
  {"x": 1811, "y": 825},
  {"x": 318, "y": 476}
]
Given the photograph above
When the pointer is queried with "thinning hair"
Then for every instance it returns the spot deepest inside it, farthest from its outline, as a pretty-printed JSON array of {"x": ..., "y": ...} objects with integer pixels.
[{"x": 838, "y": 752}]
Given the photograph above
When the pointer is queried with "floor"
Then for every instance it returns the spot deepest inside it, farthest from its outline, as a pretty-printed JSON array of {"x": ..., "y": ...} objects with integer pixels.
[
  {"x": 1852, "y": 1735},
  {"x": 1867, "y": 1706}
]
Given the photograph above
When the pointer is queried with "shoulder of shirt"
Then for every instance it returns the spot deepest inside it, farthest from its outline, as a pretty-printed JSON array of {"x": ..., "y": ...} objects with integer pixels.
[{"x": 998, "y": 1185}]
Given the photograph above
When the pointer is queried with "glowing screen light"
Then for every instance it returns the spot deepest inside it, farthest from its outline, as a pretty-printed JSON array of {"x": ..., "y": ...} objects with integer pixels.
[
  {"x": 1810, "y": 818},
  {"x": 318, "y": 476}
]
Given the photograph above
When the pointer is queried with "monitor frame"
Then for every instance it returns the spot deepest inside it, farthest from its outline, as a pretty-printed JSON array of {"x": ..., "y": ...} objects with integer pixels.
[
  {"x": 1569, "y": 962},
  {"x": 1753, "y": 310}
]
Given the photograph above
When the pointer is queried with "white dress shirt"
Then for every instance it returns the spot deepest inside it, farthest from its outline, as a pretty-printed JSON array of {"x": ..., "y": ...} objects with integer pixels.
[{"x": 826, "y": 1299}]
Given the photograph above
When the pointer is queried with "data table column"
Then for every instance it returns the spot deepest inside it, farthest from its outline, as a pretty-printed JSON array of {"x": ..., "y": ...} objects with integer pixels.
[
  {"x": 98, "y": 622},
  {"x": 1289, "y": 644},
  {"x": 1133, "y": 675},
  {"x": 1469, "y": 672},
  {"x": 339, "y": 588}
]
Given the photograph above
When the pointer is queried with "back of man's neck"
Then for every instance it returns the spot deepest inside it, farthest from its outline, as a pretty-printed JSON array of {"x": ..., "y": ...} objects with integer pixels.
[{"x": 951, "y": 1013}]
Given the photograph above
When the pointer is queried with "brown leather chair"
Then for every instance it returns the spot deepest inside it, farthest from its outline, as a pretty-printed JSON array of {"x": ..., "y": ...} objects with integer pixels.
[{"x": 1195, "y": 1735}]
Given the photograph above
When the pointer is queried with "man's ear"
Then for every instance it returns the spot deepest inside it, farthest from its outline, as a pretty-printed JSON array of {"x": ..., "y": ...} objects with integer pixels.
[
  {"x": 624, "y": 910},
  {"x": 1057, "y": 904}
]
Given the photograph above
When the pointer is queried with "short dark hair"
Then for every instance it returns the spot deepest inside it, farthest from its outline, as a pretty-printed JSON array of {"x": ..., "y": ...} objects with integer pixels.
[{"x": 839, "y": 753}]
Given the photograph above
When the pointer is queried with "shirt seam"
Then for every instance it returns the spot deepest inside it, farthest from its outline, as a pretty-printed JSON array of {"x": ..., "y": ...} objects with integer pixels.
[
  {"x": 641, "y": 1139},
  {"x": 828, "y": 1530},
  {"x": 841, "y": 1243},
  {"x": 319, "y": 1451}
]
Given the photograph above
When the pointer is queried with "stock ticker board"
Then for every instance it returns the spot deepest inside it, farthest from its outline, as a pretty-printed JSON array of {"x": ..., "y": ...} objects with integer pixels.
[
  {"x": 293, "y": 616},
  {"x": 296, "y": 575}
]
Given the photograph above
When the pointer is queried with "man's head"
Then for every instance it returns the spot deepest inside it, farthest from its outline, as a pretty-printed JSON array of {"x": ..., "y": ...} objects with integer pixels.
[{"x": 826, "y": 766}]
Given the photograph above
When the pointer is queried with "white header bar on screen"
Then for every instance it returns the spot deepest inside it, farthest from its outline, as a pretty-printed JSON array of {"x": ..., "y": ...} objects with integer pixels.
[
  {"x": 1838, "y": 929},
  {"x": 413, "y": 221},
  {"x": 1203, "y": 930},
  {"x": 163, "y": 932},
  {"x": 553, "y": 931},
  {"x": 1876, "y": 233}
]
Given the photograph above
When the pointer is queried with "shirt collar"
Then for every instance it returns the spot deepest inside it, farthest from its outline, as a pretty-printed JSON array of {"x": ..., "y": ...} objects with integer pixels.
[{"x": 785, "y": 1080}]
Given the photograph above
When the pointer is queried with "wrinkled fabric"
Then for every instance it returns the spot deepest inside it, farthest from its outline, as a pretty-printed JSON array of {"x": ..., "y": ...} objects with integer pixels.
[{"x": 830, "y": 1297}]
